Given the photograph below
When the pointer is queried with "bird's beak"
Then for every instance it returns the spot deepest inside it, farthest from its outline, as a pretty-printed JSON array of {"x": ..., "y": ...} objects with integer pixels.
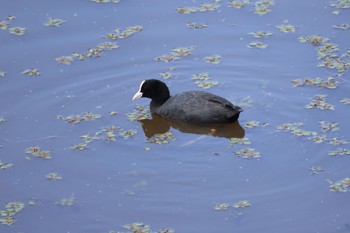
[{"x": 137, "y": 96}]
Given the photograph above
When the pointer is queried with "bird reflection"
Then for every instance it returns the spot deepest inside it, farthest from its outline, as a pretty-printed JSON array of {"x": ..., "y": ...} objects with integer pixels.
[{"x": 159, "y": 125}]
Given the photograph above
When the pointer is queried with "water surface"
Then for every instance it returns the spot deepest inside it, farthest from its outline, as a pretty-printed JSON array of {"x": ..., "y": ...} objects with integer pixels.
[{"x": 175, "y": 185}]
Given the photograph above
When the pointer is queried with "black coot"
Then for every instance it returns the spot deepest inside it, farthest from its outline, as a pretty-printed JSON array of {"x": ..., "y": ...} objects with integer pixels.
[{"x": 198, "y": 107}]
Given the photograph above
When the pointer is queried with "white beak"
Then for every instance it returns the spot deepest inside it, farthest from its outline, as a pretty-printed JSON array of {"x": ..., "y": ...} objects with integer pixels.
[{"x": 137, "y": 96}]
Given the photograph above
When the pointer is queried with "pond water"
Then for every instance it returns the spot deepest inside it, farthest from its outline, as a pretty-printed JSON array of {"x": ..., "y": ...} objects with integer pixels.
[{"x": 77, "y": 154}]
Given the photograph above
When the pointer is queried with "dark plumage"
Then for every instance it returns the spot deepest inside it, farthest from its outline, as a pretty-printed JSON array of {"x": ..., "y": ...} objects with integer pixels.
[{"x": 197, "y": 107}]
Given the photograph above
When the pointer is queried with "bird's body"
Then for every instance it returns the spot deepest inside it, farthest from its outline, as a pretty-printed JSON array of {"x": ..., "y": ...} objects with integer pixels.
[{"x": 198, "y": 107}]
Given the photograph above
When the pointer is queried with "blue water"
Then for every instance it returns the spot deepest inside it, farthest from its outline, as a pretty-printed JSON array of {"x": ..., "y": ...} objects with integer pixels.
[{"x": 174, "y": 185}]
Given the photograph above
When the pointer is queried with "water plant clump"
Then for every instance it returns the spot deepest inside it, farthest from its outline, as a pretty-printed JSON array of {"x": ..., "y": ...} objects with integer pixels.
[
  {"x": 193, "y": 25},
  {"x": 248, "y": 153},
  {"x": 242, "y": 204},
  {"x": 316, "y": 170},
  {"x": 18, "y": 31},
  {"x": 38, "y": 152},
  {"x": 221, "y": 206},
  {"x": 339, "y": 151},
  {"x": 176, "y": 54},
  {"x": 31, "y": 72},
  {"x": 320, "y": 102},
  {"x": 260, "y": 34},
  {"x": 238, "y": 4},
  {"x": 329, "y": 83},
  {"x": 341, "y": 185},
  {"x": 257, "y": 44},
  {"x": 203, "y": 80},
  {"x": 5, "y": 165},
  {"x": 69, "y": 201},
  {"x": 263, "y": 7},
  {"x": 7, "y": 215},
  {"x": 74, "y": 119},
  {"x": 215, "y": 59},
  {"x": 239, "y": 141},
  {"x": 141, "y": 112},
  {"x": 54, "y": 22},
  {"x": 164, "y": 138},
  {"x": 287, "y": 28},
  {"x": 53, "y": 176}
]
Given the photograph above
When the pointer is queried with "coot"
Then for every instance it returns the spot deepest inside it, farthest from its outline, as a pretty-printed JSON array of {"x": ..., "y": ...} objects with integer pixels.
[{"x": 198, "y": 107}]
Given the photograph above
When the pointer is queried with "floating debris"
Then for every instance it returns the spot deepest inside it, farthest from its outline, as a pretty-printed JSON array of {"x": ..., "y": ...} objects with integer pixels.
[
  {"x": 192, "y": 25},
  {"x": 31, "y": 72},
  {"x": 343, "y": 26},
  {"x": 339, "y": 151},
  {"x": 100, "y": 48},
  {"x": 18, "y": 31},
  {"x": 216, "y": 59},
  {"x": 176, "y": 54},
  {"x": 252, "y": 124},
  {"x": 138, "y": 228},
  {"x": 121, "y": 34},
  {"x": 294, "y": 128},
  {"x": 11, "y": 209},
  {"x": 54, "y": 22},
  {"x": 113, "y": 113},
  {"x": 208, "y": 6},
  {"x": 328, "y": 126},
  {"x": 2, "y": 120},
  {"x": 107, "y": 46},
  {"x": 316, "y": 170},
  {"x": 202, "y": 8},
  {"x": 341, "y": 186},
  {"x": 341, "y": 4},
  {"x": 127, "y": 133},
  {"x": 67, "y": 60},
  {"x": 182, "y": 51},
  {"x": 320, "y": 102},
  {"x": 53, "y": 176},
  {"x": 105, "y": 1},
  {"x": 336, "y": 141},
  {"x": 69, "y": 201},
  {"x": 240, "y": 141},
  {"x": 257, "y": 44},
  {"x": 329, "y": 83},
  {"x": 286, "y": 28},
  {"x": 318, "y": 139},
  {"x": 206, "y": 84},
  {"x": 248, "y": 153},
  {"x": 4, "y": 25},
  {"x": 79, "y": 146},
  {"x": 74, "y": 119},
  {"x": 141, "y": 112},
  {"x": 314, "y": 40},
  {"x": 166, "y": 230},
  {"x": 345, "y": 101},
  {"x": 186, "y": 10},
  {"x": 242, "y": 204},
  {"x": 238, "y": 4},
  {"x": 37, "y": 152},
  {"x": 10, "y": 17},
  {"x": 5, "y": 165},
  {"x": 203, "y": 80},
  {"x": 263, "y": 7},
  {"x": 166, "y": 75},
  {"x": 260, "y": 34},
  {"x": 2, "y": 74},
  {"x": 221, "y": 206},
  {"x": 164, "y": 138}
]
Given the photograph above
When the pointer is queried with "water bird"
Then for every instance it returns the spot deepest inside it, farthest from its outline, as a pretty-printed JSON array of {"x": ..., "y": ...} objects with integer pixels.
[{"x": 195, "y": 107}]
